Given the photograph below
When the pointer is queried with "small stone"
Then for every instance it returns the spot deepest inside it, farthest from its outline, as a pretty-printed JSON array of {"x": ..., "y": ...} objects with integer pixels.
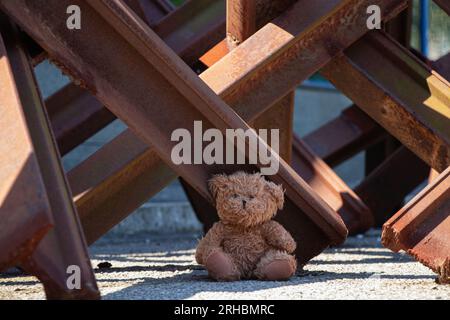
[{"x": 104, "y": 265}]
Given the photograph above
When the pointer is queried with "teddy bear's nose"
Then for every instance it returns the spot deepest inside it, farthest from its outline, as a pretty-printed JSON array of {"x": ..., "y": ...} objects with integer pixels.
[{"x": 244, "y": 202}]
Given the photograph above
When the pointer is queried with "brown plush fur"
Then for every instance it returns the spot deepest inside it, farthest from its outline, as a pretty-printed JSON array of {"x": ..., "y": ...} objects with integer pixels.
[{"x": 246, "y": 243}]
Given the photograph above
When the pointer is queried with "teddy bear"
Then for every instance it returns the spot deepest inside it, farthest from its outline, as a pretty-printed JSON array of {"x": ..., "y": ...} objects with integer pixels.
[{"x": 246, "y": 243}]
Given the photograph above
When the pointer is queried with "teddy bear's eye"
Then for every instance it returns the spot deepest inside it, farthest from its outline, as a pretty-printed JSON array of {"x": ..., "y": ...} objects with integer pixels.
[{"x": 235, "y": 195}]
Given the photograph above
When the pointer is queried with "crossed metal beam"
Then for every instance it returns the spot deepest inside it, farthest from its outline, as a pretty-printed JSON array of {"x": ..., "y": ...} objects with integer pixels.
[{"x": 252, "y": 80}]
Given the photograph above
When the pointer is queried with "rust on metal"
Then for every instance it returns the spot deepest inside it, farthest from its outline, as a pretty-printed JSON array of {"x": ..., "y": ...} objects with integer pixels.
[
  {"x": 442, "y": 66},
  {"x": 63, "y": 245},
  {"x": 422, "y": 227},
  {"x": 107, "y": 186},
  {"x": 241, "y": 21},
  {"x": 194, "y": 28},
  {"x": 444, "y": 4},
  {"x": 345, "y": 136},
  {"x": 151, "y": 11},
  {"x": 285, "y": 52},
  {"x": 24, "y": 209},
  {"x": 417, "y": 113},
  {"x": 75, "y": 116},
  {"x": 400, "y": 27},
  {"x": 355, "y": 214},
  {"x": 385, "y": 189}
]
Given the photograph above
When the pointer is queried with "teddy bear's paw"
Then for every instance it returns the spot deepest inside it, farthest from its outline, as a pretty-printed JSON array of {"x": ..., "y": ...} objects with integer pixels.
[
  {"x": 276, "y": 266},
  {"x": 221, "y": 268},
  {"x": 278, "y": 270}
]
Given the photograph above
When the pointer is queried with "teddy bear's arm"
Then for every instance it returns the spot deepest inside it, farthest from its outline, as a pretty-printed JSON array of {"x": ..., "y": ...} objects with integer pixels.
[
  {"x": 277, "y": 236},
  {"x": 211, "y": 242}
]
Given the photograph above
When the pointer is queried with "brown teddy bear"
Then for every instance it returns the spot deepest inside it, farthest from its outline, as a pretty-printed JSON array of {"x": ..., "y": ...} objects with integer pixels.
[{"x": 246, "y": 243}]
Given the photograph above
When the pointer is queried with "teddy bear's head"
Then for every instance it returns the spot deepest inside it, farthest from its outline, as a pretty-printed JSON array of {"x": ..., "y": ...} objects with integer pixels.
[{"x": 246, "y": 199}]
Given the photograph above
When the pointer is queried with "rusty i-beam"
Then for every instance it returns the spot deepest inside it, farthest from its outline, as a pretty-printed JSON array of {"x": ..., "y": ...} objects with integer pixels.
[
  {"x": 63, "y": 245},
  {"x": 416, "y": 112},
  {"x": 24, "y": 209},
  {"x": 343, "y": 137},
  {"x": 190, "y": 31},
  {"x": 422, "y": 227}
]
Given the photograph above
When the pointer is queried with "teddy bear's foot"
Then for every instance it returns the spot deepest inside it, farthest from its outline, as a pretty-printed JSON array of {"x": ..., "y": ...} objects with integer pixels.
[
  {"x": 276, "y": 266},
  {"x": 221, "y": 268}
]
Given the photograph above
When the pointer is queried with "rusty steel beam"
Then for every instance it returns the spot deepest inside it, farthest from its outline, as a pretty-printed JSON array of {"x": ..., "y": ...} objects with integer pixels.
[
  {"x": 190, "y": 30},
  {"x": 279, "y": 117},
  {"x": 241, "y": 21},
  {"x": 24, "y": 209},
  {"x": 377, "y": 153},
  {"x": 64, "y": 245},
  {"x": 422, "y": 227},
  {"x": 442, "y": 66},
  {"x": 298, "y": 12},
  {"x": 136, "y": 6},
  {"x": 194, "y": 28},
  {"x": 444, "y": 4},
  {"x": 37, "y": 55},
  {"x": 151, "y": 11},
  {"x": 345, "y": 136},
  {"x": 432, "y": 175},
  {"x": 288, "y": 50},
  {"x": 219, "y": 51},
  {"x": 129, "y": 44},
  {"x": 400, "y": 29},
  {"x": 107, "y": 187},
  {"x": 75, "y": 116},
  {"x": 266, "y": 10},
  {"x": 242, "y": 17},
  {"x": 404, "y": 96},
  {"x": 355, "y": 214},
  {"x": 385, "y": 189}
]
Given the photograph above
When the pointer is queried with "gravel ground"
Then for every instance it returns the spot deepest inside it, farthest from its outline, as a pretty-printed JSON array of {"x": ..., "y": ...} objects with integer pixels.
[{"x": 163, "y": 267}]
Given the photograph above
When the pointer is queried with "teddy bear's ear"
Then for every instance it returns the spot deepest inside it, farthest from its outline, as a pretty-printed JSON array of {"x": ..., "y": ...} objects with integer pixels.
[
  {"x": 277, "y": 193},
  {"x": 217, "y": 183}
]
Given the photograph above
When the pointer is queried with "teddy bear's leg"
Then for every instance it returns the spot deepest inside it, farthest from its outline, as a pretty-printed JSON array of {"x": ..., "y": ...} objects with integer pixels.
[
  {"x": 276, "y": 265},
  {"x": 221, "y": 267}
]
